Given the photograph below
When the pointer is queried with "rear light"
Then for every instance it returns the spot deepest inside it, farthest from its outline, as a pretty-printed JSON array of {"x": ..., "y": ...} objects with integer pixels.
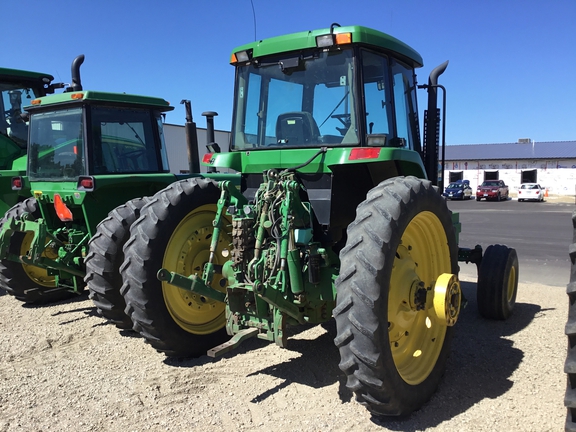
[
  {"x": 519, "y": 192},
  {"x": 86, "y": 183},
  {"x": 17, "y": 183},
  {"x": 364, "y": 153},
  {"x": 537, "y": 192},
  {"x": 63, "y": 212},
  {"x": 207, "y": 158}
]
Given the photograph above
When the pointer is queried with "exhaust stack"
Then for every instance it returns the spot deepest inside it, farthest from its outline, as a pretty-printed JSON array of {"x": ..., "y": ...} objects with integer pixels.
[{"x": 76, "y": 82}]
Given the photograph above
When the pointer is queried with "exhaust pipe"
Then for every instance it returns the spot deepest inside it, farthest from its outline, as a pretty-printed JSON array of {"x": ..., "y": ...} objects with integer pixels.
[
  {"x": 211, "y": 144},
  {"x": 76, "y": 82},
  {"x": 432, "y": 126},
  {"x": 191, "y": 139}
]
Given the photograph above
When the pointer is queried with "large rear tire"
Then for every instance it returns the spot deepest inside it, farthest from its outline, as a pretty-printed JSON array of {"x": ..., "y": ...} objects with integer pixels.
[
  {"x": 174, "y": 231},
  {"x": 497, "y": 282},
  {"x": 105, "y": 256},
  {"x": 570, "y": 330},
  {"x": 27, "y": 283},
  {"x": 393, "y": 351}
]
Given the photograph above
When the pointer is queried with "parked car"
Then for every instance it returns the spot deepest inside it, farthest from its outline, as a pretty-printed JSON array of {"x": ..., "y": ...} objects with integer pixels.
[
  {"x": 492, "y": 190},
  {"x": 530, "y": 192},
  {"x": 459, "y": 189}
]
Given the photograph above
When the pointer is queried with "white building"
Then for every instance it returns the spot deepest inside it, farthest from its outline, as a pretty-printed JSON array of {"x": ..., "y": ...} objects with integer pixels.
[{"x": 551, "y": 164}]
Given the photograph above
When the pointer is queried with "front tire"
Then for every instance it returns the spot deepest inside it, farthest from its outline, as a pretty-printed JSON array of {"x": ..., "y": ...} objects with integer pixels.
[
  {"x": 105, "y": 256},
  {"x": 497, "y": 282},
  {"x": 174, "y": 232},
  {"x": 394, "y": 352}
]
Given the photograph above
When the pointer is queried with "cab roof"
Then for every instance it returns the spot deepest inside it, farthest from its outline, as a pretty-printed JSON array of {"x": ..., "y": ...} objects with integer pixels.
[
  {"x": 89, "y": 96},
  {"x": 21, "y": 75},
  {"x": 307, "y": 39}
]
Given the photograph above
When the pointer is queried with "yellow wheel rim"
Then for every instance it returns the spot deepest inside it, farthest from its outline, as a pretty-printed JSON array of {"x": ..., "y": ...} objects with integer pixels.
[
  {"x": 186, "y": 253},
  {"x": 511, "y": 285},
  {"x": 39, "y": 275},
  {"x": 416, "y": 335}
]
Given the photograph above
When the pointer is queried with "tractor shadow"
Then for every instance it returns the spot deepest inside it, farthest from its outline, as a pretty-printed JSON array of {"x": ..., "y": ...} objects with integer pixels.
[
  {"x": 316, "y": 367},
  {"x": 481, "y": 362}
]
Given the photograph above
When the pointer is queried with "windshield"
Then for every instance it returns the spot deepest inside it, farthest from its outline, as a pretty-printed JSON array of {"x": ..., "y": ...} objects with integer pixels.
[
  {"x": 12, "y": 98},
  {"x": 57, "y": 145},
  {"x": 491, "y": 183},
  {"x": 306, "y": 100},
  {"x": 455, "y": 186}
]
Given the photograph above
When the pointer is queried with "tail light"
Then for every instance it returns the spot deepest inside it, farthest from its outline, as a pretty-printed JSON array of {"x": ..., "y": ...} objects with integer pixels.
[
  {"x": 86, "y": 183},
  {"x": 358, "y": 153},
  {"x": 17, "y": 183}
]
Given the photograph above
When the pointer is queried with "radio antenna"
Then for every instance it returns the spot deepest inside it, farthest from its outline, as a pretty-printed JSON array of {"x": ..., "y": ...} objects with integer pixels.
[{"x": 254, "y": 16}]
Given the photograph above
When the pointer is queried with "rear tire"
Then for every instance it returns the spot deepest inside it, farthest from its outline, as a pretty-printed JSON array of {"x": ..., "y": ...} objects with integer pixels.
[
  {"x": 174, "y": 232},
  {"x": 393, "y": 355},
  {"x": 27, "y": 283},
  {"x": 497, "y": 282},
  {"x": 105, "y": 256}
]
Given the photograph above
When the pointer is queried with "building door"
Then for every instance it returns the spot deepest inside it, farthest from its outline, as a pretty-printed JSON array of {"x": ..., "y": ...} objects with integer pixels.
[
  {"x": 491, "y": 175},
  {"x": 529, "y": 176},
  {"x": 455, "y": 176}
]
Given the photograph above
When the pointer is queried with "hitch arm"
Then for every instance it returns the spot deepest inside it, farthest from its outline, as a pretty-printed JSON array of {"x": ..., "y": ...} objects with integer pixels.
[{"x": 192, "y": 283}]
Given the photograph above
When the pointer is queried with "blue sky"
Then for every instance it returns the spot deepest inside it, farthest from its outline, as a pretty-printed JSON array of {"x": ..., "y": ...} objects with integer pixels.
[{"x": 512, "y": 71}]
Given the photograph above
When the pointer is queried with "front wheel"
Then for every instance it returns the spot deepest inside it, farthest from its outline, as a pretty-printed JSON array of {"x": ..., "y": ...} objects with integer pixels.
[
  {"x": 497, "y": 282},
  {"x": 27, "y": 283},
  {"x": 174, "y": 232},
  {"x": 397, "y": 296}
]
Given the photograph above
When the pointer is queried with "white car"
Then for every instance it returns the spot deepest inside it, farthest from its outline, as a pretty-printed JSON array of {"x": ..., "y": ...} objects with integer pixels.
[{"x": 530, "y": 192}]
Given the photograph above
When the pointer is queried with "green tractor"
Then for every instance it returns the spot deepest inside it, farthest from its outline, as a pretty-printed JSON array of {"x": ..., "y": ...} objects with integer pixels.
[
  {"x": 17, "y": 87},
  {"x": 337, "y": 215},
  {"x": 93, "y": 159},
  {"x": 570, "y": 330}
]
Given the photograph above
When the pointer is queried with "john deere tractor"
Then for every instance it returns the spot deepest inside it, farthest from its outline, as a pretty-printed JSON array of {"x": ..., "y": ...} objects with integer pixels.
[
  {"x": 93, "y": 158},
  {"x": 338, "y": 215},
  {"x": 17, "y": 88}
]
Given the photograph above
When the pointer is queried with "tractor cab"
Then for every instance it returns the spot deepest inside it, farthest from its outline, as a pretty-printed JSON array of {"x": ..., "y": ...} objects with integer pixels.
[
  {"x": 93, "y": 133},
  {"x": 17, "y": 88},
  {"x": 347, "y": 86}
]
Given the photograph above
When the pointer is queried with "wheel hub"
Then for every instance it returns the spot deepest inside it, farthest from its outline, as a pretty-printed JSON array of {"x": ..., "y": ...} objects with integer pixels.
[{"x": 447, "y": 299}]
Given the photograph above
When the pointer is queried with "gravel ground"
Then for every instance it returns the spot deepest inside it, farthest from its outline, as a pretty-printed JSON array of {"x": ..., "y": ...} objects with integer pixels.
[{"x": 63, "y": 368}]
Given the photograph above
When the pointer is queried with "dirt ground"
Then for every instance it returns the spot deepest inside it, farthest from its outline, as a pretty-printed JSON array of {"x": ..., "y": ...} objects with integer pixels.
[{"x": 63, "y": 368}]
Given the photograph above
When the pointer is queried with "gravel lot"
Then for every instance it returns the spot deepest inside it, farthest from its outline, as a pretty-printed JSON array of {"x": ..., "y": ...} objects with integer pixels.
[{"x": 63, "y": 368}]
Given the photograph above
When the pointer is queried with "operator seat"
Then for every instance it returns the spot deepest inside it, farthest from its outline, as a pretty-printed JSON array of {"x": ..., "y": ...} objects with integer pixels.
[{"x": 296, "y": 128}]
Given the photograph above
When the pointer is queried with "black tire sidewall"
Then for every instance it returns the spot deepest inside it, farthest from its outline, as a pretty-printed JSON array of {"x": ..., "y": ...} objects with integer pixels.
[
  {"x": 406, "y": 397},
  {"x": 150, "y": 235}
]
